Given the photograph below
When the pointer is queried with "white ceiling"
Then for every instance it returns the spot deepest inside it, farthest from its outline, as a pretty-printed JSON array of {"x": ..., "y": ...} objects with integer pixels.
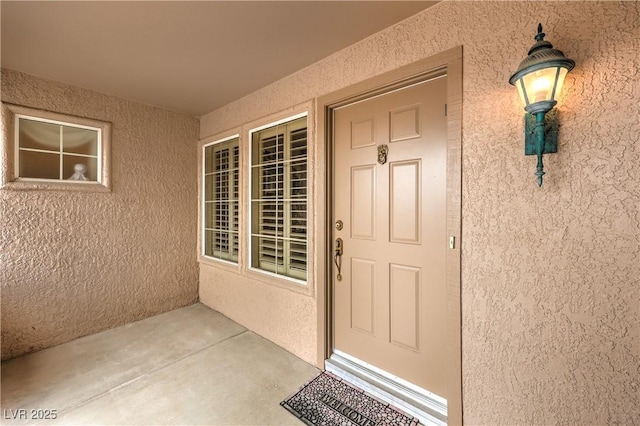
[{"x": 187, "y": 56}]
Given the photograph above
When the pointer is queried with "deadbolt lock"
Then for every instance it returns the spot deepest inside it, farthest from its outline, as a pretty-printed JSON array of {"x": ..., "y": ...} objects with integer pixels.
[{"x": 339, "y": 225}]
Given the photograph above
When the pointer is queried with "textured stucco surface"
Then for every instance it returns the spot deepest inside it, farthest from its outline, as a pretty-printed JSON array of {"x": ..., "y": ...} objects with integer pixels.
[
  {"x": 277, "y": 313},
  {"x": 551, "y": 275},
  {"x": 74, "y": 263}
]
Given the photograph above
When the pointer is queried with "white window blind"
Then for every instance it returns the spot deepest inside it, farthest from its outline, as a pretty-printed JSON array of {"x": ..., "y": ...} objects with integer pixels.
[
  {"x": 221, "y": 194},
  {"x": 279, "y": 199}
]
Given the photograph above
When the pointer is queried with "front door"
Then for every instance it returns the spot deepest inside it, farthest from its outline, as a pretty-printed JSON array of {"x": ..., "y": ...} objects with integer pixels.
[{"x": 390, "y": 195}]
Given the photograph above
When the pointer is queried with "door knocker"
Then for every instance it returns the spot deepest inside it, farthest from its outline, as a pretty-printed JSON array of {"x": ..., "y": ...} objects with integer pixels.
[{"x": 383, "y": 150}]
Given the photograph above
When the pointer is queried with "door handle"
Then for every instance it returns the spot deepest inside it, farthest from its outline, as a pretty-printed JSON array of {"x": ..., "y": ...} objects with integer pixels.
[{"x": 337, "y": 257}]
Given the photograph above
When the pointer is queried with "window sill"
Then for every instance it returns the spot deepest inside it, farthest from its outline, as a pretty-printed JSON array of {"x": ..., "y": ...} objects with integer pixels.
[
  {"x": 270, "y": 279},
  {"x": 219, "y": 263},
  {"x": 258, "y": 277},
  {"x": 27, "y": 185}
]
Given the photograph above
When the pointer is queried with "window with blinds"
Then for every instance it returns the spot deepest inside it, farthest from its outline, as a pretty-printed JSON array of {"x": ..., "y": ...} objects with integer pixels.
[
  {"x": 221, "y": 195},
  {"x": 279, "y": 199}
]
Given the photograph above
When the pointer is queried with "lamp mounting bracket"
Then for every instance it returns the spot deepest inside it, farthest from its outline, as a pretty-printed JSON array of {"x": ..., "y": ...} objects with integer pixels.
[{"x": 550, "y": 133}]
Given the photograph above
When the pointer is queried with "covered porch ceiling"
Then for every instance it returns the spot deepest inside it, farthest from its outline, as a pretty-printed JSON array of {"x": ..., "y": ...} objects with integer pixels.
[{"x": 186, "y": 56}]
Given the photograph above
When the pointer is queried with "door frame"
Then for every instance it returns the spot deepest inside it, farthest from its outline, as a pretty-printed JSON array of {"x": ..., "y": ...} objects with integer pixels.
[{"x": 451, "y": 61}]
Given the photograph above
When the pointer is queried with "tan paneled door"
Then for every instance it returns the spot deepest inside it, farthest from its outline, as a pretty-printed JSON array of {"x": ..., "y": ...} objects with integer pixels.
[{"x": 390, "y": 165}]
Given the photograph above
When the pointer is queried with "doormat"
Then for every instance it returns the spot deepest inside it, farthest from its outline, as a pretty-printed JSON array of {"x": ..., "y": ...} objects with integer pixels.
[{"x": 327, "y": 401}]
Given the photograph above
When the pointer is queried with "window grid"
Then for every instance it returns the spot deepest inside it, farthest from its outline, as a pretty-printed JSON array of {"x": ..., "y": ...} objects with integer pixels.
[
  {"x": 279, "y": 199},
  {"x": 221, "y": 195},
  {"x": 23, "y": 120}
]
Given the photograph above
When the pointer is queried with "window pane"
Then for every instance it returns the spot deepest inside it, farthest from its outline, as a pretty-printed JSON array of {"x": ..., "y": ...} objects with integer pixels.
[
  {"x": 79, "y": 141},
  {"x": 208, "y": 159},
  {"x": 208, "y": 243},
  {"x": 298, "y": 170},
  {"x": 39, "y": 135},
  {"x": 221, "y": 185},
  {"x": 268, "y": 218},
  {"x": 39, "y": 165},
  {"x": 221, "y": 215},
  {"x": 235, "y": 217},
  {"x": 71, "y": 161},
  {"x": 298, "y": 220},
  {"x": 235, "y": 246},
  {"x": 299, "y": 143},
  {"x": 208, "y": 215},
  {"x": 298, "y": 259},
  {"x": 208, "y": 188},
  {"x": 268, "y": 254},
  {"x": 221, "y": 244}
]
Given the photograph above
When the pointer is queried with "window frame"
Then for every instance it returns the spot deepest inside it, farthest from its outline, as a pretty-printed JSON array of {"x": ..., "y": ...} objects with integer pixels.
[
  {"x": 203, "y": 200},
  {"x": 250, "y": 214},
  {"x": 11, "y": 114},
  {"x": 255, "y": 280}
]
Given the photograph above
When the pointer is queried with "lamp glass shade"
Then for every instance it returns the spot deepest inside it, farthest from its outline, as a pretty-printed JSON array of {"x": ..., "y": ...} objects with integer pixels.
[{"x": 541, "y": 85}]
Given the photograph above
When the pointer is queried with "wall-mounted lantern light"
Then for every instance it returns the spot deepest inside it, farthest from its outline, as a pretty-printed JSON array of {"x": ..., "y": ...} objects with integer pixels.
[{"x": 539, "y": 80}]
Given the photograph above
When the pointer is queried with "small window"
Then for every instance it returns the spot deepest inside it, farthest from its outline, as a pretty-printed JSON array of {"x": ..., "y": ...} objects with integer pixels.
[
  {"x": 55, "y": 151},
  {"x": 279, "y": 199},
  {"x": 221, "y": 195}
]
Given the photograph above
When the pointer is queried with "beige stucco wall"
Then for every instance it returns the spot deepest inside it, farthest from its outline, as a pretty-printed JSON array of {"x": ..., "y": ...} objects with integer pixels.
[
  {"x": 550, "y": 276},
  {"x": 74, "y": 263}
]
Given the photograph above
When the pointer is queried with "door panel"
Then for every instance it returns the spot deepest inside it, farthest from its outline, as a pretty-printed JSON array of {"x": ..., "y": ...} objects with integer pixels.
[
  {"x": 362, "y": 133},
  {"x": 362, "y": 311},
  {"x": 390, "y": 307},
  {"x": 363, "y": 202},
  {"x": 404, "y": 124},
  {"x": 405, "y": 201},
  {"x": 404, "y": 318}
]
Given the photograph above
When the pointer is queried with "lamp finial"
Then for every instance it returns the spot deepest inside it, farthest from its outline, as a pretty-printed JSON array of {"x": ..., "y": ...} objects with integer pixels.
[{"x": 540, "y": 36}]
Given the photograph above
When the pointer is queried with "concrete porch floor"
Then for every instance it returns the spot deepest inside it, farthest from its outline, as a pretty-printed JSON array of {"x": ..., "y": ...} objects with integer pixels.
[{"x": 188, "y": 366}]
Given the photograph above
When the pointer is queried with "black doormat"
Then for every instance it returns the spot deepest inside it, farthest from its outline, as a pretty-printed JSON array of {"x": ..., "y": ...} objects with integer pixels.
[{"x": 327, "y": 400}]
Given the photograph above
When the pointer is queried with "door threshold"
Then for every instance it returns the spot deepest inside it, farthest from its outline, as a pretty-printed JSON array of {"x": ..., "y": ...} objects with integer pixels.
[{"x": 426, "y": 406}]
